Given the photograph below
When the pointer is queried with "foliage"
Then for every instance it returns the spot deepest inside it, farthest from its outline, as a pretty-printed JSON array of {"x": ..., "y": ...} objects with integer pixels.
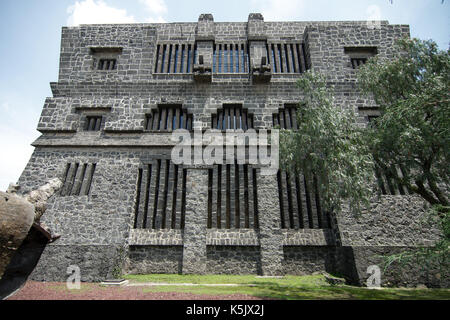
[
  {"x": 328, "y": 146},
  {"x": 411, "y": 138},
  {"x": 412, "y": 135}
]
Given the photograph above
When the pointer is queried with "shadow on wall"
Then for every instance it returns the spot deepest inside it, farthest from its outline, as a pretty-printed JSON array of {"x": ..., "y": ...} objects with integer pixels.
[{"x": 22, "y": 263}]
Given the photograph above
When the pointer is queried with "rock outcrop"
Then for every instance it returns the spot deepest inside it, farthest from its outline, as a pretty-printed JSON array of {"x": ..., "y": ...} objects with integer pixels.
[{"x": 18, "y": 214}]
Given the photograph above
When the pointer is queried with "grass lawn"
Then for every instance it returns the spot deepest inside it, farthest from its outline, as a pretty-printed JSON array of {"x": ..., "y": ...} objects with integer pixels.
[{"x": 288, "y": 287}]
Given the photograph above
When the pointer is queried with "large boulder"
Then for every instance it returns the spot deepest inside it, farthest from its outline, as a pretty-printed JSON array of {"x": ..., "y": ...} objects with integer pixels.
[
  {"x": 16, "y": 218},
  {"x": 18, "y": 214}
]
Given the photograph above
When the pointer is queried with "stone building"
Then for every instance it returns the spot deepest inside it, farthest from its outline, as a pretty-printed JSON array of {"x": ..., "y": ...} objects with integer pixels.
[{"x": 127, "y": 207}]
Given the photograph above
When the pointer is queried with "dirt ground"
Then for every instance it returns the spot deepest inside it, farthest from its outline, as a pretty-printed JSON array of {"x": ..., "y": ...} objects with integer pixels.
[{"x": 34, "y": 290}]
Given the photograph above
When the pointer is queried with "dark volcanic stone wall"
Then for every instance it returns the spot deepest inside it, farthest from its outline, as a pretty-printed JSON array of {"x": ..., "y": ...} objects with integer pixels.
[
  {"x": 233, "y": 260},
  {"x": 154, "y": 259}
]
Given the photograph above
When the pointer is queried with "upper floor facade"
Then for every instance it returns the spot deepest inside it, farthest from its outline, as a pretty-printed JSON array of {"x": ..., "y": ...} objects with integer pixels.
[{"x": 253, "y": 52}]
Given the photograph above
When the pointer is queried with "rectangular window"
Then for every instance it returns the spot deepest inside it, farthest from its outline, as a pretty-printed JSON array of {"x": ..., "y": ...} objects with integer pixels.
[
  {"x": 359, "y": 55},
  {"x": 105, "y": 58}
]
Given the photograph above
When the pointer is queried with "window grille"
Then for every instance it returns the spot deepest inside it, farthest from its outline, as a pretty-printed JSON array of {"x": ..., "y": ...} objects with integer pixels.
[
  {"x": 232, "y": 197},
  {"x": 107, "y": 64},
  {"x": 386, "y": 176},
  {"x": 230, "y": 58},
  {"x": 286, "y": 117},
  {"x": 300, "y": 205},
  {"x": 232, "y": 117},
  {"x": 387, "y": 180},
  {"x": 93, "y": 123},
  {"x": 175, "y": 58},
  {"x": 357, "y": 62},
  {"x": 359, "y": 55},
  {"x": 78, "y": 179},
  {"x": 160, "y": 196},
  {"x": 287, "y": 57},
  {"x": 168, "y": 118}
]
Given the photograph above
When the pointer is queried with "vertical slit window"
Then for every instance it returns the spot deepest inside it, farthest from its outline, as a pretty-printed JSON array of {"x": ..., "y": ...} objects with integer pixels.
[
  {"x": 280, "y": 57},
  {"x": 357, "y": 62},
  {"x": 232, "y": 192},
  {"x": 107, "y": 64},
  {"x": 300, "y": 205},
  {"x": 232, "y": 117},
  {"x": 230, "y": 58},
  {"x": 305, "y": 57},
  {"x": 93, "y": 123},
  {"x": 77, "y": 179},
  {"x": 182, "y": 59},
  {"x": 160, "y": 196},
  {"x": 163, "y": 58},
  {"x": 174, "y": 58},
  {"x": 286, "y": 57},
  {"x": 138, "y": 196},
  {"x": 169, "y": 60},
  {"x": 286, "y": 118},
  {"x": 188, "y": 61},
  {"x": 168, "y": 118},
  {"x": 158, "y": 47}
]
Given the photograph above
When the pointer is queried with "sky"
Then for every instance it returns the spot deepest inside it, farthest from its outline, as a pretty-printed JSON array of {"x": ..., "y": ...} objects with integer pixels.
[{"x": 30, "y": 34}]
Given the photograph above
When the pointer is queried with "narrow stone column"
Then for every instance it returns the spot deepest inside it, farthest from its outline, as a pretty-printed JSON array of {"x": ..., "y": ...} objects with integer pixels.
[
  {"x": 270, "y": 232},
  {"x": 194, "y": 247}
]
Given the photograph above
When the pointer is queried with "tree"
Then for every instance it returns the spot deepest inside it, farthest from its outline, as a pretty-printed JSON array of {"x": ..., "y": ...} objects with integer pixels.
[
  {"x": 328, "y": 146},
  {"x": 412, "y": 134},
  {"x": 410, "y": 140}
]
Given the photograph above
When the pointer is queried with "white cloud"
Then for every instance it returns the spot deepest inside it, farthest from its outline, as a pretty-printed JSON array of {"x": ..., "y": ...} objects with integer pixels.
[
  {"x": 156, "y": 9},
  {"x": 98, "y": 11},
  {"x": 6, "y": 107},
  {"x": 91, "y": 11},
  {"x": 279, "y": 10}
]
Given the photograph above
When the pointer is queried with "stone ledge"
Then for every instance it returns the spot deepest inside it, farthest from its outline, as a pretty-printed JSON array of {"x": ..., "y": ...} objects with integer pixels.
[
  {"x": 232, "y": 237},
  {"x": 308, "y": 237},
  {"x": 155, "y": 237}
]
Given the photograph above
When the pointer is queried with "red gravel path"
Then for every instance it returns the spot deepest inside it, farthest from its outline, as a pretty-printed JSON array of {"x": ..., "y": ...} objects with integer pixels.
[{"x": 34, "y": 290}]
